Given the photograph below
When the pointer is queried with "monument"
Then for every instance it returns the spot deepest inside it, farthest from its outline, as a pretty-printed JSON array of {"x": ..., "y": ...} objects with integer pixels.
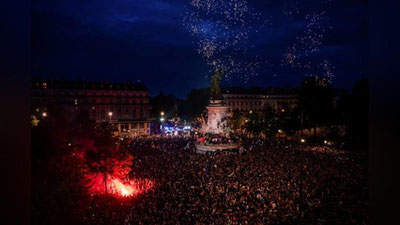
[
  {"x": 217, "y": 109},
  {"x": 214, "y": 129}
]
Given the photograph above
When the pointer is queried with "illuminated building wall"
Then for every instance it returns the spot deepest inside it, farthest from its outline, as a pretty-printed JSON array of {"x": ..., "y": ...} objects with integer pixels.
[
  {"x": 125, "y": 105},
  {"x": 246, "y": 100}
]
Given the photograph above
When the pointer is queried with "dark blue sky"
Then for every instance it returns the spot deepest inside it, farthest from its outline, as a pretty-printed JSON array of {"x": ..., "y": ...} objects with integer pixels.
[{"x": 145, "y": 40}]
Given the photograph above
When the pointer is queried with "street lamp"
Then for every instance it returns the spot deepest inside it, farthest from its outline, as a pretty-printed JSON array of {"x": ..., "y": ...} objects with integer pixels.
[
  {"x": 110, "y": 115},
  {"x": 162, "y": 121},
  {"x": 44, "y": 114}
]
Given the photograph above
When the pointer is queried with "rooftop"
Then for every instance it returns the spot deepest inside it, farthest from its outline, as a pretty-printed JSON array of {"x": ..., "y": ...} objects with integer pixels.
[{"x": 258, "y": 90}]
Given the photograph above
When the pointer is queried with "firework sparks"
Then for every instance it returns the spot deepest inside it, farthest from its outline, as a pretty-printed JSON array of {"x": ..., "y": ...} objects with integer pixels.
[
  {"x": 222, "y": 29},
  {"x": 309, "y": 43}
]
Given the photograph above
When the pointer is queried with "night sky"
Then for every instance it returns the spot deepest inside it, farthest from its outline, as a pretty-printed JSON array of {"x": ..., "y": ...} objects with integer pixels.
[{"x": 146, "y": 40}]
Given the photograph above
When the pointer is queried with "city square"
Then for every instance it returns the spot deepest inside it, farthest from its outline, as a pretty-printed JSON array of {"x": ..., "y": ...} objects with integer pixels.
[{"x": 199, "y": 112}]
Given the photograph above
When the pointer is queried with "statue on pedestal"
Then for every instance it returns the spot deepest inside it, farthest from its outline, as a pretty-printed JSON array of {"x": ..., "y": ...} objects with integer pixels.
[
  {"x": 215, "y": 90},
  {"x": 214, "y": 126}
]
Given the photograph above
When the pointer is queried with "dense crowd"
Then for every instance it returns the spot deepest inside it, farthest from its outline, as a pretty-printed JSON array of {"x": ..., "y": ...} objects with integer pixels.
[
  {"x": 212, "y": 139},
  {"x": 270, "y": 183}
]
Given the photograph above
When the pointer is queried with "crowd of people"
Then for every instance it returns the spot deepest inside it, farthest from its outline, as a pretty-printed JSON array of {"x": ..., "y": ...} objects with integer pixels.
[
  {"x": 269, "y": 183},
  {"x": 214, "y": 139}
]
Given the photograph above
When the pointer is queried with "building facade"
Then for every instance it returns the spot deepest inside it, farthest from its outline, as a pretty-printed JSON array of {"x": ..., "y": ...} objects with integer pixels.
[
  {"x": 126, "y": 106},
  {"x": 258, "y": 99}
]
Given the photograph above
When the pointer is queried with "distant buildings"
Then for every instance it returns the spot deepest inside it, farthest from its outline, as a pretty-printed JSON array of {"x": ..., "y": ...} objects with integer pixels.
[
  {"x": 125, "y": 105},
  {"x": 257, "y": 99}
]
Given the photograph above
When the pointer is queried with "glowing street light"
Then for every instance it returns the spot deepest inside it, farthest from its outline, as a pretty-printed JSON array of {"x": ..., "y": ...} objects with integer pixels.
[
  {"x": 162, "y": 119},
  {"x": 162, "y": 113},
  {"x": 110, "y": 115},
  {"x": 44, "y": 114},
  {"x": 303, "y": 140}
]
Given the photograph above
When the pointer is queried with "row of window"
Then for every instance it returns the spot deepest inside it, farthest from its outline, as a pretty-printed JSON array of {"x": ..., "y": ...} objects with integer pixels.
[
  {"x": 114, "y": 113},
  {"x": 113, "y": 100},
  {"x": 258, "y": 96},
  {"x": 247, "y": 108},
  {"x": 106, "y": 116},
  {"x": 96, "y": 101},
  {"x": 125, "y": 127},
  {"x": 95, "y": 93},
  {"x": 244, "y": 103},
  {"x": 247, "y": 103},
  {"x": 244, "y": 96},
  {"x": 100, "y": 94}
]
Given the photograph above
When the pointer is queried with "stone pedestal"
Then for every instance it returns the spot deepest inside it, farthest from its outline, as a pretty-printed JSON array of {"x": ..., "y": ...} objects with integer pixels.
[{"x": 216, "y": 111}]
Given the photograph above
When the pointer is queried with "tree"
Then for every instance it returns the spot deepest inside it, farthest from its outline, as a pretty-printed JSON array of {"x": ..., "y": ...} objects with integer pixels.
[
  {"x": 358, "y": 127},
  {"x": 56, "y": 168},
  {"x": 315, "y": 100},
  {"x": 195, "y": 103},
  {"x": 107, "y": 158},
  {"x": 343, "y": 108},
  {"x": 66, "y": 150},
  {"x": 167, "y": 104},
  {"x": 254, "y": 123},
  {"x": 237, "y": 120},
  {"x": 270, "y": 121},
  {"x": 289, "y": 120}
]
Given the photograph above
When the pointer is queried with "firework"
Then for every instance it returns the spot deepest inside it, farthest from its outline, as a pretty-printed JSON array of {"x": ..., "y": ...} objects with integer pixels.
[
  {"x": 309, "y": 43},
  {"x": 222, "y": 29}
]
